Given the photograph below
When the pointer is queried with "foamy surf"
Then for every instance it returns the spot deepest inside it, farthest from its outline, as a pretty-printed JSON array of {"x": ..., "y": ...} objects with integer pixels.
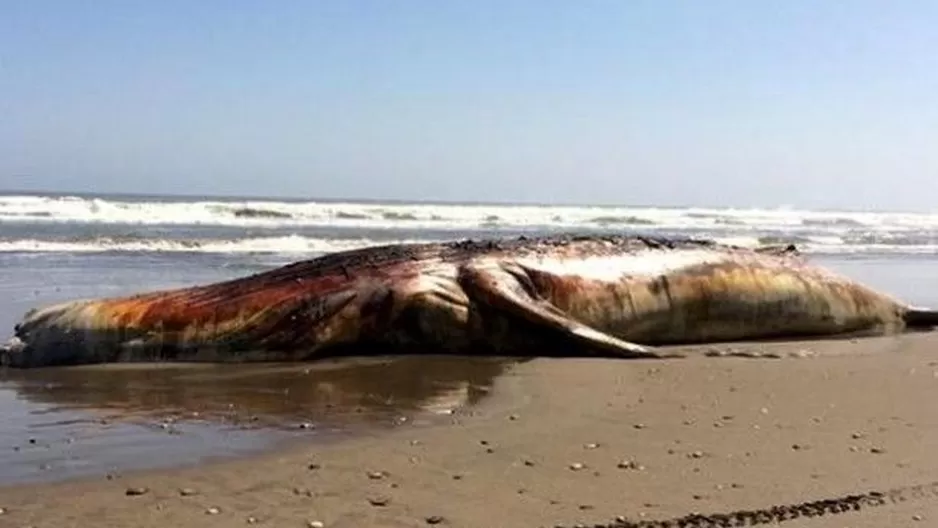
[
  {"x": 300, "y": 246},
  {"x": 85, "y": 224},
  {"x": 181, "y": 211},
  {"x": 286, "y": 244}
]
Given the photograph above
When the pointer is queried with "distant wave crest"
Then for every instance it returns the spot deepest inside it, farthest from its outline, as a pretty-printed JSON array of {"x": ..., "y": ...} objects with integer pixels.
[
  {"x": 285, "y": 226},
  {"x": 286, "y": 244},
  {"x": 297, "y": 245}
]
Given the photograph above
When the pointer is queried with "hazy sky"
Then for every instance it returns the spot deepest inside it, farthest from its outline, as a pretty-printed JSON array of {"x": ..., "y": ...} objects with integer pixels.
[{"x": 797, "y": 102}]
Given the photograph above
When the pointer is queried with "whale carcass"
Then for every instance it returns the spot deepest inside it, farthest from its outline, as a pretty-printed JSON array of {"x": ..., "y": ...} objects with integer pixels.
[{"x": 618, "y": 296}]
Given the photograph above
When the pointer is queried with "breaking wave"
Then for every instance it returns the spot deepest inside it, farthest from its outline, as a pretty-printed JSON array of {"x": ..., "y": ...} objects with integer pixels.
[
  {"x": 285, "y": 244},
  {"x": 311, "y": 246},
  {"x": 36, "y": 223},
  {"x": 267, "y": 213}
]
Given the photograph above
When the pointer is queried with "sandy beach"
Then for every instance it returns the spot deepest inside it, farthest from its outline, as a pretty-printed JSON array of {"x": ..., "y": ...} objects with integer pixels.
[{"x": 567, "y": 441}]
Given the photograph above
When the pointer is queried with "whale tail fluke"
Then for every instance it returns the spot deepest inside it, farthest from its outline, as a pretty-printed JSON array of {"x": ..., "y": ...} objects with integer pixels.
[{"x": 921, "y": 318}]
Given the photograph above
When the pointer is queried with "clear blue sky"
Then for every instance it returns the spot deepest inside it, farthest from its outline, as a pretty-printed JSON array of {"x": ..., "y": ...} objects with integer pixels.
[{"x": 798, "y": 102}]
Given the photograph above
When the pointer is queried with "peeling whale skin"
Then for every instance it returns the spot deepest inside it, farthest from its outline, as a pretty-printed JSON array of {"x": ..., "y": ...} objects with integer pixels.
[{"x": 608, "y": 296}]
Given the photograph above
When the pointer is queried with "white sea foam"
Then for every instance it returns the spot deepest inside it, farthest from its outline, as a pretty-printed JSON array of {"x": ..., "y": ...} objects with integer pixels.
[
  {"x": 286, "y": 244},
  {"x": 813, "y": 231},
  {"x": 295, "y": 245},
  {"x": 256, "y": 213}
]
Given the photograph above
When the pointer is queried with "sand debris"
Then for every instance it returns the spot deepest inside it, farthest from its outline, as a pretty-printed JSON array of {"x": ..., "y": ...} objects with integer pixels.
[{"x": 379, "y": 500}]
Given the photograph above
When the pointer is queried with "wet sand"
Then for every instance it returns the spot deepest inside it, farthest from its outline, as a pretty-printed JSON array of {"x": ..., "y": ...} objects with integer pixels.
[
  {"x": 100, "y": 419},
  {"x": 562, "y": 441}
]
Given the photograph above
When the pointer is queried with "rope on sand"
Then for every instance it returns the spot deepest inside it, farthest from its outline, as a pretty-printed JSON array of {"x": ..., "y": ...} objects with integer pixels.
[{"x": 782, "y": 513}]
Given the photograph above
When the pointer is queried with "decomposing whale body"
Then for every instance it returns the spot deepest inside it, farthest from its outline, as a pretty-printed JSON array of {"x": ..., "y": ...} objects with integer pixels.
[{"x": 616, "y": 296}]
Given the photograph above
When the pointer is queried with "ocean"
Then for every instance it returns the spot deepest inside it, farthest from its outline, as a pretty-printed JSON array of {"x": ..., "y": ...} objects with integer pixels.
[
  {"x": 64, "y": 246},
  {"x": 60, "y": 247},
  {"x": 254, "y": 226}
]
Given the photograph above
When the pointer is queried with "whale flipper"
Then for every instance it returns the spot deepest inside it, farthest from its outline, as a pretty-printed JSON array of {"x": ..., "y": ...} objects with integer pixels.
[{"x": 505, "y": 291}]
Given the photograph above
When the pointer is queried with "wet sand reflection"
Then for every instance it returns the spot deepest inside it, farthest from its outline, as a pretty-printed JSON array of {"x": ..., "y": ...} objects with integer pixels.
[{"x": 103, "y": 406}]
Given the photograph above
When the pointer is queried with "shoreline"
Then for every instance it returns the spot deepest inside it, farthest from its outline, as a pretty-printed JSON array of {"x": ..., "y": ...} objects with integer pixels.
[{"x": 571, "y": 440}]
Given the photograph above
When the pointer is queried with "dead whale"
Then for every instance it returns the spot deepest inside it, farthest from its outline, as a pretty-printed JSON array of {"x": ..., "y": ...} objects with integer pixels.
[{"x": 616, "y": 296}]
